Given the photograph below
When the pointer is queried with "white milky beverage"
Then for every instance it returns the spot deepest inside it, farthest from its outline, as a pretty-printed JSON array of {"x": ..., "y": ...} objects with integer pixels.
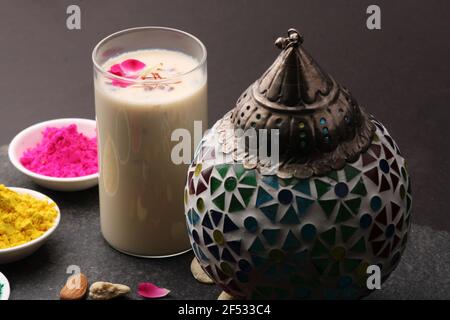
[{"x": 141, "y": 189}]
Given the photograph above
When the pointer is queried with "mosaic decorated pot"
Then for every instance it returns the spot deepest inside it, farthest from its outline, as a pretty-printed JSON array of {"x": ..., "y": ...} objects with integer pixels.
[{"x": 309, "y": 225}]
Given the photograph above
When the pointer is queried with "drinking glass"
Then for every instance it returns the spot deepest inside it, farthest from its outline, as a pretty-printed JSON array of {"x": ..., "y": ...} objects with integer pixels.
[{"x": 140, "y": 186}]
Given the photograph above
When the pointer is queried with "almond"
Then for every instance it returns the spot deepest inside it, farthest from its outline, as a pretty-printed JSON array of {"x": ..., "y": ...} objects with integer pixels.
[
  {"x": 106, "y": 290},
  {"x": 75, "y": 288}
]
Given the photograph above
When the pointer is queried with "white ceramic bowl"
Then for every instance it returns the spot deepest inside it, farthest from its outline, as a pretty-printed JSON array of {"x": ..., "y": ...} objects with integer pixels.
[
  {"x": 19, "y": 252},
  {"x": 5, "y": 291},
  {"x": 31, "y": 136}
]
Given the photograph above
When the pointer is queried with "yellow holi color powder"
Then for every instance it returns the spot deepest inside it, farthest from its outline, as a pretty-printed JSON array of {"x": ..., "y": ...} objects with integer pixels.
[{"x": 23, "y": 218}]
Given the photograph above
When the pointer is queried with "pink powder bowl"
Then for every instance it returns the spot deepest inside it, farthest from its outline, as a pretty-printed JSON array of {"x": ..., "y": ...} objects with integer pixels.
[
  {"x": 63, "y": 152},
  {"x": 58, "y": 154}
]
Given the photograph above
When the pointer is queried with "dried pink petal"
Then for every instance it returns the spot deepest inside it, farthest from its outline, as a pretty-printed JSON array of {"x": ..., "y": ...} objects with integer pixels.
[
  {"x": 132, "y": 65},
  {"x": 127, "y": 69},
  {"x": 120, "y": 83},
  {"x": 116, "y": 69},
  {"x": 151, "y": 291}
]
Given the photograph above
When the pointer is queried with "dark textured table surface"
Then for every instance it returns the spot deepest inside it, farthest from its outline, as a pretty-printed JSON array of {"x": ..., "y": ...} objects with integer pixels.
[
  {"x": 423, "y": 272},
  {"x": 400, "y": 73}
]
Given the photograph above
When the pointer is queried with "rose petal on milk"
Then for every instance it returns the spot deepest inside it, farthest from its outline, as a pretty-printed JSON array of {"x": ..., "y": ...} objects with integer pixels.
[
  {"x": 116, "y": 69},
  {"x": 127, "y": 69},
  {"x": 130, "y": 66}
]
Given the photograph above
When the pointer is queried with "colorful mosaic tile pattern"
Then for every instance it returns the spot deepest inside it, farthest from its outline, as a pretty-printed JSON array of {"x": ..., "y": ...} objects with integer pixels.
[{"x": 263, "y": 237}]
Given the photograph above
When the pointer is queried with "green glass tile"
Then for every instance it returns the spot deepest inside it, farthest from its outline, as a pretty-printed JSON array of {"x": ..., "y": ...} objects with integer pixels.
[
  {"x": 338, "y": 253},
  {"x": 249, "y": 179},
  {"x": 271, "y": 181},
  {"x": 321, "y": 187},
  {"x": 215, "y": 184},
  {"x": 347, "y": 232},
  {"x": 200, "y": 205},
  {"x": 359, "y": 246},
  {"x": 276, "y": 255},
  {"x": 256, "y": 247},
  {"x": 291, "y": 242},
  {"x": 256, "y": 295},
  {"x": 218, "y": 237},
  {"x": 329, "y": 236},
  {"x": 288, "y": 269},
  {"x": 239, "y": 170},
  {"x": 296, "y": 280},
  {"x": 230, "y": 184},
  {"x": 271, "y": 272},
  {"x": 262, "y": 197},
  {"x": 246, "y": 194},
  {"x": 343, "y": 214},
  {"x": 222, "y": 169},
  {"x": 404, "y": 174},
  {"x": 319, "y": 249},
  {"x": 333, "y": 175},
  {"x": 350, "y": 172},
  {"x": 290, "y": 217},
  {"x": 303, "y": 204},
  {"x": 281, "y": 293},
  {"x": 351, "y": 264},
  {"x": 258, "y": 261},
  {"x": 271, "y": 235},
  {"x": 327, "y": 206},
  {"x": 265, "y": 292},
  {"x": 321, "y": 265},
  {"x": 359, "y": 188},
  {"x": 270, "y": 212},
  {"x": 226, "y": 268},
  {"x": 300, "y": 257},
  {"x": 353, "y": 205},
  {"x": 235, "y": 204},
  {"x": 303, "y": 186},
  {"x": 334, "y": 270},
  {"x": 309, "y": 281},
  {"x": 302, "y": 293},
  {"x": 220, "y": 201},
  {"x": 242, "y": 277}
]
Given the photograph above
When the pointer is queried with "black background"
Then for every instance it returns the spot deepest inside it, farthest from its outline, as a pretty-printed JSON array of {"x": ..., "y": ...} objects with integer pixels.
[{"x": 400, "y": 73}]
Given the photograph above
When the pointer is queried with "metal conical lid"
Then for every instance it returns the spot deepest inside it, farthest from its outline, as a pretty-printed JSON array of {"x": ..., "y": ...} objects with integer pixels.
[
  {"x": 294, "y": 82},
  {"x": 321, "y": 126}
]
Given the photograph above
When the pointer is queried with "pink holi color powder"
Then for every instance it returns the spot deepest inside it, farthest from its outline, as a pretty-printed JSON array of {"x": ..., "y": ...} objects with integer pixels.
[{"x": 63, "y": 152}]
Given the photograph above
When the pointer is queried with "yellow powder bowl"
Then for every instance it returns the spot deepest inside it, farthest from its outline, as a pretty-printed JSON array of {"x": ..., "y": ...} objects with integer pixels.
[{"x": 21, "y": 251}]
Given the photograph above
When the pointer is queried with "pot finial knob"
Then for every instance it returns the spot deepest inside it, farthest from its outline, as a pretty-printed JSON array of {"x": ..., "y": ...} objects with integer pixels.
[{"x": 293, "y": 39}]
